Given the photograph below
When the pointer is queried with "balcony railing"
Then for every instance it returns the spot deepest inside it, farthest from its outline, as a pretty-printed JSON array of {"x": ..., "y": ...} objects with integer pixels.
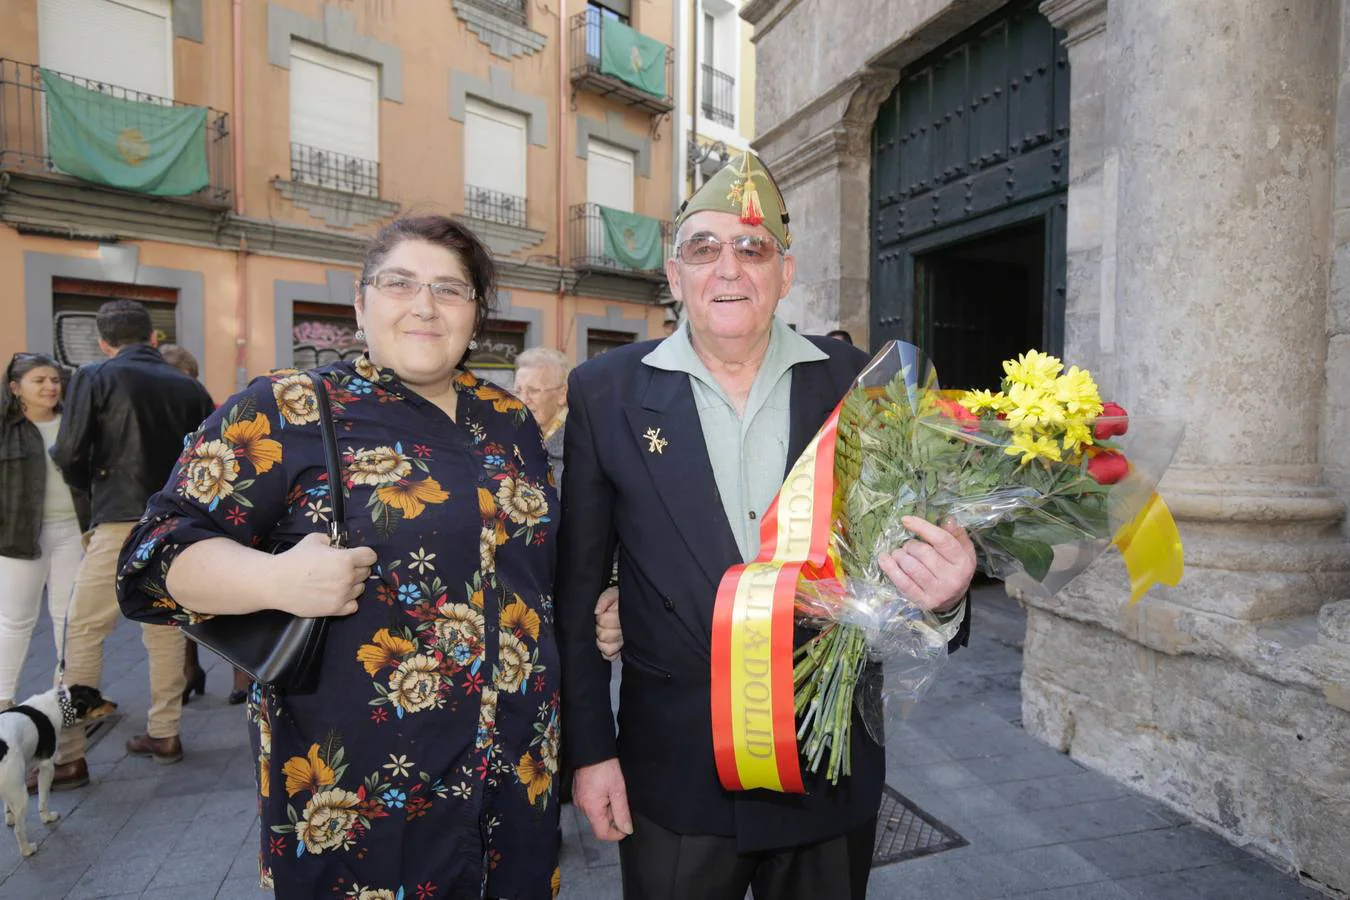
[
  {"x": 649, "y": 90},
  {"x": 24, "y": 128},
  {"x": 511, "y": 10},
  {"x": 335, "y": 171},
  {"x": 596, "y": 246},
  {"x": 494, "y": 206},
  {"x": 719, "y": 96}
]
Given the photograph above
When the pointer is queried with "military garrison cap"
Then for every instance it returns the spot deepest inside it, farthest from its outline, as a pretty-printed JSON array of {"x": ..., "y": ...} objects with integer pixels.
[{"x": 743, "y": 188}]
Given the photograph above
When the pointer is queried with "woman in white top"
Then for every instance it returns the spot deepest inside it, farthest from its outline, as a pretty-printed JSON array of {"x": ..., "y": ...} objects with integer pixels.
[{"x": 40, "y": 523}]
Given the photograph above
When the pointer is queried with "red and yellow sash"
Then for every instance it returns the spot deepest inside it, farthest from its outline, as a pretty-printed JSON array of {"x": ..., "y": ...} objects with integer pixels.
[{"x": 753, "y": 724}]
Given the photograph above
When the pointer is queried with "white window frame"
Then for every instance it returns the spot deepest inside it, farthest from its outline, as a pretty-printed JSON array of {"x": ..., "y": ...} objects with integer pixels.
[
  {"x": 473, "y": 106},
  {"x": 161, "y": 8},
  {"x": 617, "y": 153},
  {"x": 321, "y": 56},
  {"x": 726, "y": 58}
]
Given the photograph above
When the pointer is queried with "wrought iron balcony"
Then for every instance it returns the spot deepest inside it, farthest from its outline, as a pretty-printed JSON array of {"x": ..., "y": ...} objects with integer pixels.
[
  {"x": 511, "y": 10},
  {"x": 719, "y": 96},
  {"x": 335, "y": 171},
  {"x": 494, "y": 206},
  {"x": 598, "y": 246},
  {"x": 616, "y": 74},
  {"x": 25, "y": 128}
]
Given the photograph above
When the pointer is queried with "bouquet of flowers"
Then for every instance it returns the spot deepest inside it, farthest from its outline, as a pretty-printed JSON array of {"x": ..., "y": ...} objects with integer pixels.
[{"x": 1037, "y": 474}]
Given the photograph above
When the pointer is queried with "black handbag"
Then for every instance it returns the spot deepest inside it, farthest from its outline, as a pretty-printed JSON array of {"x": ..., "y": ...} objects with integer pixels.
[{"x": 276, "y": 648}]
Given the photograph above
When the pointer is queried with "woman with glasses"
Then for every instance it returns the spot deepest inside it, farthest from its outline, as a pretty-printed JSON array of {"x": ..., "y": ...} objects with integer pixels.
[
  {"x": 40, "y": 520},
  {"x": 425, "y": 763}
]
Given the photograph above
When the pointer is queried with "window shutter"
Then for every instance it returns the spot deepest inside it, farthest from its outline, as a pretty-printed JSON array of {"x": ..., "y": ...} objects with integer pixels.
[
  {"x": 495, "y": 142},
  {"x": 127, "y": 43},
  {"x": 622, "y": 7},
  {"x": 334, "y": 102},
  {"x": 609, "y": 175}
]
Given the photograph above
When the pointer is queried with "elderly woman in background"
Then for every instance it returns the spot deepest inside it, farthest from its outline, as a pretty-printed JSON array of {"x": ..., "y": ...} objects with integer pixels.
[
  {"x": 541, "y": 382},
  {"x": 40, "y": 518},
  {"x": 424, "y": 765}
]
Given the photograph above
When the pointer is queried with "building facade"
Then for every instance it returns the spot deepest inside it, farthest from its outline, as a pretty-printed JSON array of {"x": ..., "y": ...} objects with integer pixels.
[
  {"x": 1157, "y": 191},
  {"x": 242, "y": 151},
  {"x": 717, "y": 83}
]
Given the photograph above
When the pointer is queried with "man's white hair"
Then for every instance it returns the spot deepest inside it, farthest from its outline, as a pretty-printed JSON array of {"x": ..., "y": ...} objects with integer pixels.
[{"x": 544, "y": 357}]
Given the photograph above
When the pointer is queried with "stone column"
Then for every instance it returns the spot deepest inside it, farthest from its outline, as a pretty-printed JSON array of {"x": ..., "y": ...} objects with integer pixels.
[
  {"x": 823, "y": 164},
  {"x": 1225, "y": 133},
  {"x": 1090, "y": 279}
]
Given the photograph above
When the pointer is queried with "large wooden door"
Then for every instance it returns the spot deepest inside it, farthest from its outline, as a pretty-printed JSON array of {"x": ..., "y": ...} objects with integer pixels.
[{"x": 970, "y": 173}]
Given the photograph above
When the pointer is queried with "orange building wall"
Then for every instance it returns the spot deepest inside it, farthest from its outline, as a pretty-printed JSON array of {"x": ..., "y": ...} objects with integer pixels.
[{"x": 421, "y": 157}]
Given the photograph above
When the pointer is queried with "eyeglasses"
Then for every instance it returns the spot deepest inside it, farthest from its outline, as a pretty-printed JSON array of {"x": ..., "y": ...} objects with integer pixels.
[
  {"x": 526, "y": 392},
  {"x": 402, "y": 287},
  {"x": 702, "y": 249},
  {"x": 17, "y": 357}
]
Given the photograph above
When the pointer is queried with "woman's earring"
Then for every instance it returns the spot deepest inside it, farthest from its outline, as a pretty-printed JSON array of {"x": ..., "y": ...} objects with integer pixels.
[
  {"x": 473, "y": 345},
  {"x": 360, "y": 335}
]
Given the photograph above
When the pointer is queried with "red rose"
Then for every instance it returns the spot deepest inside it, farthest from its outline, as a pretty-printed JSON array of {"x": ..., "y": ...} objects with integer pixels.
[
  {"x": 1108, "y": 466},
  {"x": 1116, "y": 422},
  {"x": 958, "y": 413}
]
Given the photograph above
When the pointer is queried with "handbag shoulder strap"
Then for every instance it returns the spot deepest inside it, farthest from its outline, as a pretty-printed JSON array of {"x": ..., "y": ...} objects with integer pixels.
[{"x": 337, "y": 525}]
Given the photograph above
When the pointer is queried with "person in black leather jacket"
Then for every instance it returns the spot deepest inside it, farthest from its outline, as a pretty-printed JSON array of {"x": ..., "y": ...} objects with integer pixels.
[{"x": 121, "y": 434}]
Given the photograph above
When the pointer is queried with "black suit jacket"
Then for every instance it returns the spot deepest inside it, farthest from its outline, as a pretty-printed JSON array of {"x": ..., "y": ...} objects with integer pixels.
[{"x": 662, "y": 514}]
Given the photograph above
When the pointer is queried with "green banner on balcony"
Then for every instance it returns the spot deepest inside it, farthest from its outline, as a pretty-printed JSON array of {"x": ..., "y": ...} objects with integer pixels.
[
  {"x": 632, "y": 57},
  {"x": 141, "y": 147},
  {"x": 633, "y": 240}
]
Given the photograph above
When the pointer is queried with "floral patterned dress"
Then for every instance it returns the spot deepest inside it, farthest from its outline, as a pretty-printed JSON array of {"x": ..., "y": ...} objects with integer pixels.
[{"x": 425, "y": 765}]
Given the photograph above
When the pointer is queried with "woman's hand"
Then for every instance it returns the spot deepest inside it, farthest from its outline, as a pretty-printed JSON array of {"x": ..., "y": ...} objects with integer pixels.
[
  {"x": 314, "y": 579},
  {"x": 608, "y": 633},
  {"x": 934, "y": 570}
]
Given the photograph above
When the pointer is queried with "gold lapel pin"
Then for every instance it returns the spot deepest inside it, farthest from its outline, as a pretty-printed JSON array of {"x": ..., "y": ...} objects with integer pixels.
[{"x": 655, "y": 443}]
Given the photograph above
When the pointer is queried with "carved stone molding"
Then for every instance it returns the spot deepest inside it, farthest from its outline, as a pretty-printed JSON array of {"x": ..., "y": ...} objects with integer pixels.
[
  {"x": 337, "y": 208},
  {"x": 766, "y": 14},
  {"x": 1079, "y": 19},
  {"x": 77, "y": 212},
  {"x": 336, "y": 31},
  {"x": 503, "y": 239},
  {"x": 872, "y": 89},
  {"x": 843, "y": 125},
  {"x": 503, "y": 38}
]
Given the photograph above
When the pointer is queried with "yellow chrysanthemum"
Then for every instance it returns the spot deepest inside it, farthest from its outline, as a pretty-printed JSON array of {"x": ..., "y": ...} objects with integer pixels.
[
  {"x": 1033, "y": 368},
  {"x": 1030, "y": 447},
  {"x": 1031, "y": 408},
  {"x": 1076, "y": 436},
  {"x": 979, "y": 401},
  {"x": 1077, "y": 392}
]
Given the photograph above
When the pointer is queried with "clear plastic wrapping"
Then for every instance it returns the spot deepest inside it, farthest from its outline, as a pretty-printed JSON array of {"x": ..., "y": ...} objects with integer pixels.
[{"x": 1042, "y": 475}]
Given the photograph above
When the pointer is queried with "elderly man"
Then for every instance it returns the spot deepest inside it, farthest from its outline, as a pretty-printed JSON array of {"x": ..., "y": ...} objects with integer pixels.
[
  {"x": 674, "y": 452},
  {"x": 541, "y": 384}
]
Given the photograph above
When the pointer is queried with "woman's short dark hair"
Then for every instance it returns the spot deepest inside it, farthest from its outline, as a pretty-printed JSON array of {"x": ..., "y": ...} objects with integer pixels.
[
  {"x": 19, "y": 366},
  {"x": 444, "y": 232},
  {"x": 124, "y": 322}
]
